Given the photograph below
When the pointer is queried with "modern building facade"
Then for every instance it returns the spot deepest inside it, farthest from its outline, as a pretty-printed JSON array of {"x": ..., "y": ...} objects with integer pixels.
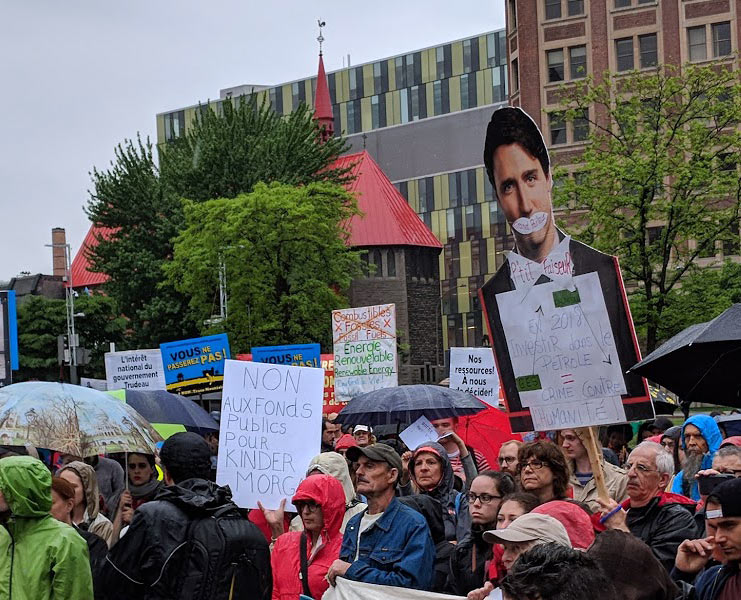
[{"x": 422, "y": 116}]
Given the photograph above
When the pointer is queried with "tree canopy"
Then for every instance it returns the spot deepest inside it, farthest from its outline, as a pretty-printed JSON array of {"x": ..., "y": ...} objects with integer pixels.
[
  {"x": 285, "y": 259},
  {"x": 224, "y": 153},
  {"x": 658, "y": 183}
]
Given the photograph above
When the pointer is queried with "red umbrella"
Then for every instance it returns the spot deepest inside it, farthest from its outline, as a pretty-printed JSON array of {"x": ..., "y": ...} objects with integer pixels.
[{"x": 486, "y": 432}]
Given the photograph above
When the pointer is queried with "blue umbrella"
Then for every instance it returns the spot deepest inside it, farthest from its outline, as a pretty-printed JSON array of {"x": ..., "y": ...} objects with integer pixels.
[
  {"x": 406, "y": 403},
  {"x": 163, "y": 407}
]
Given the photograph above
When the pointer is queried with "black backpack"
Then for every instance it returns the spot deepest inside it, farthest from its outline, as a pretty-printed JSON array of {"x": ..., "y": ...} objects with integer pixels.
[{"x": 225, "y": 557}]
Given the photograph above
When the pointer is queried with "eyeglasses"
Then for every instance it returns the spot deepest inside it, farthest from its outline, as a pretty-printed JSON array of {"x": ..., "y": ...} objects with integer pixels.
[
  {"x": 141, "y": 465},
  {"x": 309, "y": 506},
  {"x": 483, "y": 498},
  {"x": 643, "y": 469},
  {"x": 506, "y": 459},
  {"x": 535, "y": 465}
]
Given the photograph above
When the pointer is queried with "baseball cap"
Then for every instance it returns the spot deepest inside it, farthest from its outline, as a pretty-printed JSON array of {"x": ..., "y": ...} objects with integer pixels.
[
  {"x": 575, "y": 520},
  {"x": 728, "y": 495},
  {"x": 362, "y": 428},
  {"x": 378, "y": 452},
  {"x": 530, "y": 528},
  {"x": 345, "y": 442}
]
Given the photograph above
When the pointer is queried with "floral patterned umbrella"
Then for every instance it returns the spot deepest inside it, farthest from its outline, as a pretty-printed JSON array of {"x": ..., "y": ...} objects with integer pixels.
[{"x": 71, "y": 419}]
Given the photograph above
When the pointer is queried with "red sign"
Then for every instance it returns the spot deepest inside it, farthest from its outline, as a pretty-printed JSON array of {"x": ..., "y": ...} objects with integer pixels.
[{"x": 329, "y": 405}]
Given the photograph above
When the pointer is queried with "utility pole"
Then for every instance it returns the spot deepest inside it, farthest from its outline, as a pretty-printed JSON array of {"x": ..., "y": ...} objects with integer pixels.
[{"x": 72, "y": 340}]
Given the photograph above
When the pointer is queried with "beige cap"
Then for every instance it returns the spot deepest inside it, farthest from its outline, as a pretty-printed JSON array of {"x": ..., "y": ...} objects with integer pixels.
[{"x": 529, "y": 528}]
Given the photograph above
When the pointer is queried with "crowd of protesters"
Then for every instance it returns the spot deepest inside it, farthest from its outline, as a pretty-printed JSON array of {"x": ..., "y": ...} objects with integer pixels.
[{"x": 434, "y": 518}]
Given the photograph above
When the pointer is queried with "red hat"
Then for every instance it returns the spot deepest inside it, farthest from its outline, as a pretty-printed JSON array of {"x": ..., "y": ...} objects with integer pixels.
[
  {"x": 345, "y": 442},
  {"x": 734, "y": 440},
  {"x": 655, "y": 438},
  {"x": 574, "y": 518}
]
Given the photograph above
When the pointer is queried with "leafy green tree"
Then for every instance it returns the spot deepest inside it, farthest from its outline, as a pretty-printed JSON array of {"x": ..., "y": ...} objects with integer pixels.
[
  {"x": 658, "y": 184},
  {"x": 285, "y": 258},
  {"x": 223, "y": 154},
  {"x": 41, "y": 320}
]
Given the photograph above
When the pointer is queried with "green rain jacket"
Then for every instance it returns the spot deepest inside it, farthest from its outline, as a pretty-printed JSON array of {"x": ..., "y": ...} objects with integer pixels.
[{"x": 40, "y": 557}]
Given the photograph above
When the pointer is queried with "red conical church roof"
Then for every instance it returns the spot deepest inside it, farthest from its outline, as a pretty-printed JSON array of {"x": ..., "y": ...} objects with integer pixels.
[
  {"x": 387, "y": 219},
  {"x": 323, "y": 103}
]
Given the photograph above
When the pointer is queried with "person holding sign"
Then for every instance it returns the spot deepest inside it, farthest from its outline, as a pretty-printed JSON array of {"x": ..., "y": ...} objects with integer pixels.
[
  {"x": 301, "y": 559},
  {"x": 390, "y": 543}
]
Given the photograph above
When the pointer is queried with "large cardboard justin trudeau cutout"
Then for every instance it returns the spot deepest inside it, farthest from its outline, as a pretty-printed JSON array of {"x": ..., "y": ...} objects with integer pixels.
[{"x": 556, "y": 309}]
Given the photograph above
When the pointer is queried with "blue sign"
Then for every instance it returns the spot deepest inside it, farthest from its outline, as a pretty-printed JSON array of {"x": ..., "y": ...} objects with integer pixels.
[
  {"x": 8, "y": 337},
  {"x": 195, "y": 366},
  {"x": 299, "y": 355}
]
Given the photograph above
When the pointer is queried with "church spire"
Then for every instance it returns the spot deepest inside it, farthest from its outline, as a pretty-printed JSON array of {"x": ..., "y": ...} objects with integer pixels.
[{"x": 322, "y": 102}]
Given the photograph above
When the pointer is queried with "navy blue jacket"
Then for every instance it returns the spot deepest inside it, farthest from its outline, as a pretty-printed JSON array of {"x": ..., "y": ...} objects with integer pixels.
[
  {"x": 397, "y": 549},
  {"x": 710, "y": 582}
]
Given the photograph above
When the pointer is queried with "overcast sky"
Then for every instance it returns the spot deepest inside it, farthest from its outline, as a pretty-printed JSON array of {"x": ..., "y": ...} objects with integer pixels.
[{"x": 78, "y": 77}]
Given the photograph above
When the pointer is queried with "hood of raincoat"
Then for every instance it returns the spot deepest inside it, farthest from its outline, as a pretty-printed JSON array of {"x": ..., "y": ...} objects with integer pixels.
[
  {"x": 431, "y": 510},
  {"x": 89, "y": 483},
  {"x": 443, "y": 489},
  {"x": 196, "y": 497},
  {"x": 327, "y": 492},
  {"x": 334, "y": 464},
  {"x": 26, "y": 484},
  {"x": 709, "y": 430}
]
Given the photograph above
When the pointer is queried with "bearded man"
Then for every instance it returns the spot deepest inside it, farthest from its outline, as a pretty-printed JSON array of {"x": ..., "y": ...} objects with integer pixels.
[{"x": 700, "y": 440}]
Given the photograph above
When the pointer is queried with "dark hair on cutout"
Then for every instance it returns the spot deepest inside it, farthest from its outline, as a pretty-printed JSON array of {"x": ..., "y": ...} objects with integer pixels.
[
  {"x": 512, "y": 125},
  {"x": 505, "y": 482},
  {"x": 554, "y": 572},
  {"x": 547, "y": 452}
]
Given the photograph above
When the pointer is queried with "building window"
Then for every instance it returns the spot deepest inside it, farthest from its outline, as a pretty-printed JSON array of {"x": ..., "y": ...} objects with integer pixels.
[
  {"x": 417, "y": 102},
  {"x": 470, "y": 55},
  {"x": 444, "y": 61},
  {"x": 622, "y": 3},
  {"x": 174, "y": 125},
  {"x": 581, "y": 126},
  {"x": 378, "y": 111},
  {"x": 468, "y": 90},
  {"x": 276, "y": 99},
  {"x": 473, "y": 222},
  {"x": 624, "y": 51},
  {"x": 455, "y": 330},
  {"x": 377, "y": 262},
  {"x": 426, "y": 189},
  {"x": 515, "y": 76},
  {"x": 647, "y": 46},
  {"x": 401, "y": 80},
  {"x": 578, "y": 62},
  {"x": 354, "y": 117},
  {"x": 697, "y": 43},
  {"x": 479, "y": 259},
  {"x": 441, "y": 93},
  {"x": 298, "y": 94},
  {"x": 552, "y": 9},
  {"x": 513, "y": 14},
  {"x": 452, "y": 261},
  {"x": 576, "y": 7},
  {"x": 558, "y": 128},
  {"x": 454, "y": 225},
  {"x": 391, "y": 263},
  {"x": 731, "y": 246},
  {"x": 404, "y": 104},
  {"x": 403, "y": 187},
  {"x": 356, "y": 83},
  {"x": 381, "y": 77},
  {"x": 555, "y": 65},
  {"x": 721, "y": 39},
  {"x": 499, "y": 84}
]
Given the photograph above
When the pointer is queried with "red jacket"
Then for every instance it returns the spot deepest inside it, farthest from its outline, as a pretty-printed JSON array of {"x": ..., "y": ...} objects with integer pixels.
[{"x": 326, "y": 491}]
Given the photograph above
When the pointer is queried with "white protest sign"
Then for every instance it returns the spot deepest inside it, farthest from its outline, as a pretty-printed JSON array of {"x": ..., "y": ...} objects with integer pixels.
[
  {"x": 563, "y": 351},
  {"x": 97, "y": 384},
  {"x": 364, "y": 350},
  {"x": 473, "y": 370},
  {"x": 135, "y": 370},
  {"x": 271, "y": 423},
  {"x": 347, "y": 589},
  {"x": 418, "y": 433}
]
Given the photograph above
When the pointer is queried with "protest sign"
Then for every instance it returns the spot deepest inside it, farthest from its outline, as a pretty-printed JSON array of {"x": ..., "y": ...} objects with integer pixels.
[
  {"x": 364, "y": 350},
  {"x": 8, "y": 337},
  {"x": 473, "y": 370},
  {"x": 347, "y": 589},
  {"x": 97, "y": 384},
  {"x": 297, "y": 355},
  {"x": 195, "y": 366},
  {"x": 418, "y": 433},
  {"x": 271, "y": 422},
  {"x": 134, "y": 370}
]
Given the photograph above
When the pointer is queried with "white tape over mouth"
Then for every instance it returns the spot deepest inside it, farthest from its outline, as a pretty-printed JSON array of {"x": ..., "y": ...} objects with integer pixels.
[{"x": 526, "y": 225}]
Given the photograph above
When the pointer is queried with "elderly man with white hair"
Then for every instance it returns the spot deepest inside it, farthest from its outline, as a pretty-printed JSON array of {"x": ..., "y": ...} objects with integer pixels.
[{"x": 660, "y": 519}]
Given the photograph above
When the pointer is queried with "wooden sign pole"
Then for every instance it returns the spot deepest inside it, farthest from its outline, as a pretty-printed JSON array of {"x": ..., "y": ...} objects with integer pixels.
[{"x": 588, "y": 436}]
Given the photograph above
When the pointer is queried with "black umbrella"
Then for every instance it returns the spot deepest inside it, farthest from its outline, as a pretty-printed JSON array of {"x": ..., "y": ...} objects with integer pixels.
[
  {"x": 406, "y": 403},
  {"x": 700, "y": 363}
]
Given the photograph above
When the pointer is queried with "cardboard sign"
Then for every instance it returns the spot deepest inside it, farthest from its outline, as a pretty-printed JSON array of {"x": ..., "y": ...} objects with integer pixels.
[
  {"x": 134, "y": 370},
  {"x": 271, "y": 423},
  {"x": 298, "y": 355},
  {"x": 418, "y": 433},
  {"x": 97, "y": 384},
  {"x": 473, "y": 370},
  {"x": 195, "y": 366},
  {"x": 364, "y": 350}
]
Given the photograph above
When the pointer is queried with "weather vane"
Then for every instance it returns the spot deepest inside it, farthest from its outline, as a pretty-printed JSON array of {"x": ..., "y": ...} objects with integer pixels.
[{"x": 320, "y": 39}]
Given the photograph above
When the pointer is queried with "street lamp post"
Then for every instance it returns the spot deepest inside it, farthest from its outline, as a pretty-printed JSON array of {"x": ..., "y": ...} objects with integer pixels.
[{"x": 72, "y": 341}]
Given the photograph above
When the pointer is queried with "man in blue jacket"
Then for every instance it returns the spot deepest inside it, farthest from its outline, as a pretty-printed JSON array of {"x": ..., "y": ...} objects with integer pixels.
[
  {"x": 700, "y": 439},
  {"x": 389, "y": 543},
  {"x": 723, "y": 522}
]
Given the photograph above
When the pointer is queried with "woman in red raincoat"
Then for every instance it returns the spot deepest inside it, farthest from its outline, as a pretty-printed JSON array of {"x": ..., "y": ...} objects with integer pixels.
[{"x": 320, "y": 501}]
